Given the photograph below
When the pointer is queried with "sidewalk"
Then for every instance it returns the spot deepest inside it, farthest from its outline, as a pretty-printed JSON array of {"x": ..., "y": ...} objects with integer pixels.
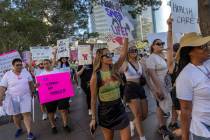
[{"x": 79, "y": 122}]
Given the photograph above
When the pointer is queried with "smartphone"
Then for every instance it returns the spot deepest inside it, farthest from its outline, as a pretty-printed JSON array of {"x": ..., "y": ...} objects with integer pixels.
[{"x": 92, "y": 130}]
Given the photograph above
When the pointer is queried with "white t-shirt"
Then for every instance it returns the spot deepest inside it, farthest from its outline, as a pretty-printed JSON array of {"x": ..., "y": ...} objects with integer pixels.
[
  {"x": 158, "y": 64},
  {"x": 38, "y": 71},
  {"x": 44, "y": 72},
  {"x": 193, "y": 85},
  {"x": 17, "y": 85}
]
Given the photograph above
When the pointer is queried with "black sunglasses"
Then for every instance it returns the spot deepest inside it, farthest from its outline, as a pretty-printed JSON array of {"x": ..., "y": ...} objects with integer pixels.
[
  {"x": 160, "y": 43},
  {"x": 108, "y": 55},
  {"x": 18, "y": 65},
  {"x": 203, "y": 47},
  {"x": 133, "y": 51}
]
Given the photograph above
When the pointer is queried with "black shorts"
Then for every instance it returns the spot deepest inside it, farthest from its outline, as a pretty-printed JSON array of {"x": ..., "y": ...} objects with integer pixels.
[
  {"x": 62, "y": 104},
  {"x": 134, "y": 91}
]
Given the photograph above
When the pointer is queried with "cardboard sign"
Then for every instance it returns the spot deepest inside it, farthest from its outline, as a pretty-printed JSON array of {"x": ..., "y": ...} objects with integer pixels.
[
  {"x": 118, "y": 24},
  {"x": 185, "y": 16},
  {"x": 204, "y": 16},
  {"x": 26, "y": 57},
  {"x": 84, "y": 54},
  {"x": 62, "y": 48},
  {"x": 41, "y": 52},
  {"x": 73, "y": 55},
  {"x": 6, "y": 61},
  {"x": 54, "y": 87}
]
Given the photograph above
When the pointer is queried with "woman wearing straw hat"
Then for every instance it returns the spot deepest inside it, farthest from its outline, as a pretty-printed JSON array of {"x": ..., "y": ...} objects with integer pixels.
[{"x": 193, "y": 86}]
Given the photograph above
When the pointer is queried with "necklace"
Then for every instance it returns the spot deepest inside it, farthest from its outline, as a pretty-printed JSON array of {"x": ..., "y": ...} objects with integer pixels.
[{"x": 206, "y": 74}]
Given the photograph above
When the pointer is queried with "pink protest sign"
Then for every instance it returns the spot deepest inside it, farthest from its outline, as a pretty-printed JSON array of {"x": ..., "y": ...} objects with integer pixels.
[{"x": 54, "y": 87}]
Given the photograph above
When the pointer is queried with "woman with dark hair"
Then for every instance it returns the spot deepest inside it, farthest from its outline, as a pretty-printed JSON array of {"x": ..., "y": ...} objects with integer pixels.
[
  {"x": 105, "y": 85},
  {"x": 18, "y": 85},
  {"x": 134, "y": 92},
  {"x": 157, "y": 69},
  {"x": 193, "y": 86},
  {"x": 62, "y": 105}
]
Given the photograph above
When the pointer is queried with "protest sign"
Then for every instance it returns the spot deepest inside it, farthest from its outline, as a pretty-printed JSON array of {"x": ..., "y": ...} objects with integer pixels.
[
  {"x": 73, "y": 55},
  {"x": 84, "y": 54},
  {"x": 118, "y": 23},
  {"x": 54, "y": 87},
  {"x": 41, "y": 52},
  {"x": 26, "y": 57},
  {"x": 6, "y": 61},
  {"x": 204, "y": 16},
  {"x": 62, "y": 48},
  {"x": 162, "y": 36},
  {"x": 185, "y": 16}
]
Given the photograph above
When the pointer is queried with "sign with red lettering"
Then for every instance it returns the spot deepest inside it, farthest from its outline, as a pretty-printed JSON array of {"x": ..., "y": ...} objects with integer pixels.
[
  {"x": 185, "y": 16},
  {"x": 84, "y": 54}
]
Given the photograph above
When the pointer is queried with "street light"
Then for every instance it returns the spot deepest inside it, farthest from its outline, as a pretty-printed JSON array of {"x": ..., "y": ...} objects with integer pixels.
[{"x": 154, "y": 8}]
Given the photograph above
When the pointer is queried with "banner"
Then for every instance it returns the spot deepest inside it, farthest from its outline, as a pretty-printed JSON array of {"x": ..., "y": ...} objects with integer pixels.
[
  {"x": 26, "y": 57},
  {"x": 204, "y": 16},
  {"x": 41, "y": 52},
  {"x": 62, "y": 48},
  {"x": 54, "y": 87},
  {"x": 185, "y": 16},
  {"x": 6, "y": 61},
  {"x": 118, "y": 24},
  {"x": 84, "y": 54}
]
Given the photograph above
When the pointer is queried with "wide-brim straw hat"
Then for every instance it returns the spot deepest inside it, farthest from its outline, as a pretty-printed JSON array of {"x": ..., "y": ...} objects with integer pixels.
[{"x": 192, "y": 40}]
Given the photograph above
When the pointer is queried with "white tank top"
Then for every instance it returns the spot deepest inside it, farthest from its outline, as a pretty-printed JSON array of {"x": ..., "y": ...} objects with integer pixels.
[{"x": 132, "y": 74}]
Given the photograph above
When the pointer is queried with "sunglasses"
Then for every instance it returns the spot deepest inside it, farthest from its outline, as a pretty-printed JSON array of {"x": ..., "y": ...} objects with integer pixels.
[
  {"x": 133, "y": 51},
  {"x": 203, "y": 47},
  {"x": 108, "y": 55},
  {"x": 160, "y": 43},
  {"x": 18, "y": 65}
]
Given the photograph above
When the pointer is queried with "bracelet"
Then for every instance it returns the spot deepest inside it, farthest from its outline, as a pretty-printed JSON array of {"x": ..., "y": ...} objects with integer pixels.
[{"x": 169, "y": 30}]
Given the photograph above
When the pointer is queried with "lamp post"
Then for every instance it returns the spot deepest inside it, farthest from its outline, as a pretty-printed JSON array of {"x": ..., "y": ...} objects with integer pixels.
[{"x": 154, "y": 8}]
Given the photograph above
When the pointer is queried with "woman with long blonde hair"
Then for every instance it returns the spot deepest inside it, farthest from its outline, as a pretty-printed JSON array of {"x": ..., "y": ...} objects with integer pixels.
[{"x": 105, "y": 85}]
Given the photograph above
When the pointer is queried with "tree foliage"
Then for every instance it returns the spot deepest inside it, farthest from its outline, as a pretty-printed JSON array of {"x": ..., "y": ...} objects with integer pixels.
[{"x": 25, "y": 23}]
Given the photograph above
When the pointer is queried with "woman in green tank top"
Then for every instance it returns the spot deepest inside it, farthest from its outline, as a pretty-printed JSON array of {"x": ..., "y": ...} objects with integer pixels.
[{"x": 105, "y": 85}]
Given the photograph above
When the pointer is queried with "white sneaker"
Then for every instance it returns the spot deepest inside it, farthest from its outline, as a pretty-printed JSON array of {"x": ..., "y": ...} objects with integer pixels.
[
  {"x": 55, "y": 116},
  {"x": 44, "y": 116},
  {"x": 132, "y": 128},
  {"x": 89, "y": 112}
]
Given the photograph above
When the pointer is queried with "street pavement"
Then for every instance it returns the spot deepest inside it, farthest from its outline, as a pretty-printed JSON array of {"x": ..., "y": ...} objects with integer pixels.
[{"x": 79, "y": 122}]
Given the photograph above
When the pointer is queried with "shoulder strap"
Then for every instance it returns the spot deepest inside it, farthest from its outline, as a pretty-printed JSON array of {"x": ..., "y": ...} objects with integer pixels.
[
  {"x": 99, "y": 79},
  {"x": 133, "y": 67}
]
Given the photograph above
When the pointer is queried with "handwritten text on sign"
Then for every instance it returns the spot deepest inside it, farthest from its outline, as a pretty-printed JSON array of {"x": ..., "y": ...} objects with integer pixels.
[
  {"x": 54, "y": 87},
  {"x": 41, "y": 52},
  {"x": 185, "y": 15},
  {"x": 118, "y": 23},
  {"x": 6, "y": 61},
  {"x": 63, "y": 48}
]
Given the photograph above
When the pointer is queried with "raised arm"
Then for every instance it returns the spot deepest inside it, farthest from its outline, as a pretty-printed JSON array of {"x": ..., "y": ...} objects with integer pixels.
[
  {"x": 123, "y": 54},
  {"x": 93, "y": 89},
  {"x": 170, "y": 59}
]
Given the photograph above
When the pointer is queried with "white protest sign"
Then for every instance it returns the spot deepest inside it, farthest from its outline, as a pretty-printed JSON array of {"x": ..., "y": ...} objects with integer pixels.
[
  {"x": 118, "y": 24},
  {"x": 63, "y": 48},
  {"x": 41, "y": 52},
  {"x": 84, "y": 54},
  {"x": 185, "y": 16},
  {"x": 26, "y": 57},
  {"x": 162, "y": 36},
  {"x": 6, "y": 61}
]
